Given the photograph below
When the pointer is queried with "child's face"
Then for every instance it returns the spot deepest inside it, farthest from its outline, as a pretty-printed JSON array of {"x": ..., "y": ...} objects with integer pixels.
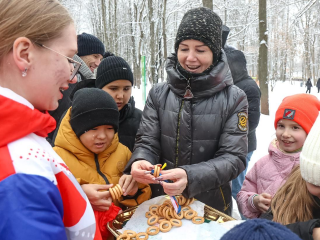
[
  {"x": 290, "y": 135},
  {"x": 98, "y": 139},
  {"x": 120, "y": 90},
  {"x": 313, "y": 189}
]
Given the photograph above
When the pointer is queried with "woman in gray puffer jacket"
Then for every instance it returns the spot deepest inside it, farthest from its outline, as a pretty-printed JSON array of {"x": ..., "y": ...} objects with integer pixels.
[{"x": 196, "y": 122}]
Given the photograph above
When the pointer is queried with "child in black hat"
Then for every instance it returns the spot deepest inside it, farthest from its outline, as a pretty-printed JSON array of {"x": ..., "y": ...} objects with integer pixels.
[
  {"x": 88, "y": 142},
  {"x": 114, "y": 76}
]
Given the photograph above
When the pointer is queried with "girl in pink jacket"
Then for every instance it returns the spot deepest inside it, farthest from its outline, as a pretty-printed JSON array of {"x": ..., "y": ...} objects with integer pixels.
[{"x": 294, "y": 119}]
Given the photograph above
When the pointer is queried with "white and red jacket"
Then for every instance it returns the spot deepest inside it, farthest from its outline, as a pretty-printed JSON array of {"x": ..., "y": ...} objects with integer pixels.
[{"x": 39, "y": 197}]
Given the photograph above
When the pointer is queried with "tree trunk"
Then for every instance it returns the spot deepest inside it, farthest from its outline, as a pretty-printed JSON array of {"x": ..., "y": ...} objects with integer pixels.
[
  {"x": 263, "y": 57},
  {"x": 152, "y": 43},
  {"x": 207, "y": 3},
  {"x": 115, "y": 39},
  {"x": 136, "y": 65},
  {"x": 164, "y": 40},
  {"x": 164, "y": 35},
  {"x": 104, "y": 21}
]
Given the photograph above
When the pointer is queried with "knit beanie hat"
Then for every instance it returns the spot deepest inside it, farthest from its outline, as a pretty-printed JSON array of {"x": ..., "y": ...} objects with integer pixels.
[
  {"x": 310, "y": 156},
  {"x": 301, "y": 108},
  {"x": 92, "y": 107},
  {"x": 111, "y": 69},
  {"x": 89, "y": 44},
  {"x": 204, "y": 25},
  {"x": 261, "y": 229}
]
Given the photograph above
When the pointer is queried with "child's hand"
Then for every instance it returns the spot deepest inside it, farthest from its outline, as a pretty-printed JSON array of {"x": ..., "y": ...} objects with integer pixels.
[
  {"x": 100, "y": 200},
  {"x": 128, "y": 184},
  {"x": 262, "y": 202}
]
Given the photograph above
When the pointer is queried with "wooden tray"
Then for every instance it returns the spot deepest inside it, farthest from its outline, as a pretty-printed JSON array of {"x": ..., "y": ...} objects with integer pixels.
[{"x": 210, "y": 214}]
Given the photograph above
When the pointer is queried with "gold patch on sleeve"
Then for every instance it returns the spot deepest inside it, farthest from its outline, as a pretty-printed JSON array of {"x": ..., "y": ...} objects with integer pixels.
[{"x": 243, "y": 121}]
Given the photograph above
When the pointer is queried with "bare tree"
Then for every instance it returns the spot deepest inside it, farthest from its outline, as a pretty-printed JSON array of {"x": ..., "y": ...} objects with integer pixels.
[
  {"x": 152, "y": 48},
  {"x": 132, "y": 28},
  {"x": 263, "y": 57}
]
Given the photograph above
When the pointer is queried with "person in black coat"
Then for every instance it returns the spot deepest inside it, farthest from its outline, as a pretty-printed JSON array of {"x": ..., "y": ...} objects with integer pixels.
[
  {"x": 238, "y": 67},
  {"x": 318, "y": 84},
  {"x": 308, "y": 85},
  {"x": 114, "y": 76},
  {"x": 90, "y": 53},
  {"x": 196, "y": 121}
]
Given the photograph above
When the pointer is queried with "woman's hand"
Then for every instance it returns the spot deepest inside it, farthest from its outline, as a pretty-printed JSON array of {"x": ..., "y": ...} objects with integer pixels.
[
  {"x": 138, "y": 169},
  {"x": 262, "y": 202},
  {"x": 98, "y": 196},
  {"x": 128, "y": 185},
  {"x": 179, "y": 178}
]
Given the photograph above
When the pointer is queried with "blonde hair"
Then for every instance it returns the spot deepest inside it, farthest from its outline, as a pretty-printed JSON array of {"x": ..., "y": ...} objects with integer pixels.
[
  {"x": 293, "y": 202},
  {"x": 38, "y": 20}
]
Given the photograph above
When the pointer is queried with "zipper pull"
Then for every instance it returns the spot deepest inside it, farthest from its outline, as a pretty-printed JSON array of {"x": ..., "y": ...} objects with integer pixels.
[{"x": 188, "y": 94}]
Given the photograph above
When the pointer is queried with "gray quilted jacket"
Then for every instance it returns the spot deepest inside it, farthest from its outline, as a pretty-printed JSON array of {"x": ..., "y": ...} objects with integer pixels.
[{"x": 200, "y": 135}]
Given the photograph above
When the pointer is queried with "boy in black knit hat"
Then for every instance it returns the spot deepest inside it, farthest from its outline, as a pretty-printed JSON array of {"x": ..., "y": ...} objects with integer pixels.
[
  {"x": 114, "y": 76},
  {"x": 88, "y": 142}
]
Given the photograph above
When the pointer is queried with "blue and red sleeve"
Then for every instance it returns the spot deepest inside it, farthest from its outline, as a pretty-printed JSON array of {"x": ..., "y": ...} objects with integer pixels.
[{"x": 30, "y": 208}]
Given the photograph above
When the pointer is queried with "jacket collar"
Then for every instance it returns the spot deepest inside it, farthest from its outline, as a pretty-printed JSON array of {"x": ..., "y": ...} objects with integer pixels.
[
  {"x": 284, "y": 162},
  {"x": 127, "y": 110},
  {"x": 201, "y": 86},
  {"x": 19, "y": 118}
]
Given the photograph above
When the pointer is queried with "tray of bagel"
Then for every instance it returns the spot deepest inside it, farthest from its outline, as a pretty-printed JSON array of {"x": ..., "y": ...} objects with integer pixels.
[{"x": 158, "y": 219}]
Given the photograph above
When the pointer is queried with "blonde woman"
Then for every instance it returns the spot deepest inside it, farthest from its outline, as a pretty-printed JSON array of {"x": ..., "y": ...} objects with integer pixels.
[
  {"x": 39, "y": 197},
  {"x": 296, "y": 207}
]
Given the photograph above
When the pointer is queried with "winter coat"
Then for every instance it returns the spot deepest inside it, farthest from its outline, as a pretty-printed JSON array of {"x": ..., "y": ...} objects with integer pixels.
[
  {"x": 129, "y": 121},
  {"x": 318, "y": 83},
  {"x": 266, "y": 176},
  {"x": 39, "y": 197},
  {"x": 303, "y": 229},
  {"x": 64, "y": 103},
  {"x": 308, "y": 83},
  {"x": 87, "y": 167},
  {"x": 201, "y": 135},
  {"x": 238, "y": 67}
]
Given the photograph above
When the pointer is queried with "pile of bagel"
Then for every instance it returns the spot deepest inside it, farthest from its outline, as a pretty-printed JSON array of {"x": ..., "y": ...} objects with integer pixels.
[{"x": 163, "y": 218}]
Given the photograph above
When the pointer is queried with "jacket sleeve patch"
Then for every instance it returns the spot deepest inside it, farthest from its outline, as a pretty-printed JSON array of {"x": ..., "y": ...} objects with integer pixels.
[{"x": 243, "y": 121}]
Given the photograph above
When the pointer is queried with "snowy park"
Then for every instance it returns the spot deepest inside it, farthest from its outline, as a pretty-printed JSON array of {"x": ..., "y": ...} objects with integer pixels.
[{"x": 145, "y": 119}]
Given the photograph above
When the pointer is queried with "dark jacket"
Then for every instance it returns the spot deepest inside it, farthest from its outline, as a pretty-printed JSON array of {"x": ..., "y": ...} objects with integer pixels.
[
  {"x": 308, "y": 83},
  {"x": 238, "y": 67},
  {"x": 303, "y": 229},
  {"x": 318, "y": 83},
  {"x": 200, "y": 135},
  {"x": 129, "y": 123}
]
